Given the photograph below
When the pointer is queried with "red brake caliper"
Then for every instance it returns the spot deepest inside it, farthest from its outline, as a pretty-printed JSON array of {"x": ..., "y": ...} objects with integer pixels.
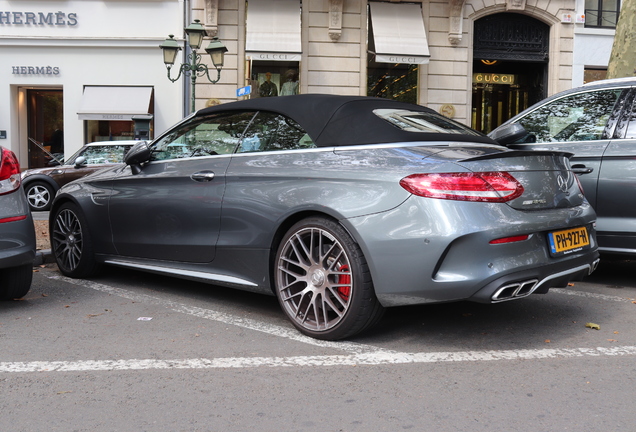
[{"x": 345, "y": 279}]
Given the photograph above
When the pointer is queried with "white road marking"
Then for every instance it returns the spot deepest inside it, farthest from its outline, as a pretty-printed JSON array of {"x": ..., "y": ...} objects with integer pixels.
[
  {"x": 271, "y": 329},
  {"x": 368, "y": 359},
  {"x": 361, "y": 354}
]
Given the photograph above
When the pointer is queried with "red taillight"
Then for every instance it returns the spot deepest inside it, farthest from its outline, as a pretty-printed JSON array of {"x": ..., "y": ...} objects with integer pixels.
[
  {"x": 512, "y": 239},
  {"x": 485, "y": 186},
  {"x": 9, "y": 172}
]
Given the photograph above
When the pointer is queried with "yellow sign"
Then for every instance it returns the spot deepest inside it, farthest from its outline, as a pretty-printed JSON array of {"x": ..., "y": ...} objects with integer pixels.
[{"x": 494, "y": 78}]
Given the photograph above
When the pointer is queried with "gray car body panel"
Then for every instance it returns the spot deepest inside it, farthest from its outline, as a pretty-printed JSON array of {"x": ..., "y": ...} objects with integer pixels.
[
  {"x": 17, "y": 238},
  {"x": 421, "y": 258}
]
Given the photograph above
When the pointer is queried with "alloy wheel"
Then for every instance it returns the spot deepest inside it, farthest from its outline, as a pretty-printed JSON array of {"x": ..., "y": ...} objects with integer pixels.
[
  {"x": 67, "y": 239},
  {"x": 314, "y": 279}
]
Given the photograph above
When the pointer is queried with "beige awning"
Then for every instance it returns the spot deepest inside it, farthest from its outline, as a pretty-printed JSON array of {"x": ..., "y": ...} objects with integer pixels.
[
  {"x": 398, "y": 33},
  {"x": 114, "y": 103},
  {"x": 273, "y": 30}
]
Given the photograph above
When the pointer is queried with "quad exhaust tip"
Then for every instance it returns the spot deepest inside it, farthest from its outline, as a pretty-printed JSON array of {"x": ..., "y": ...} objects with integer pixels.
[{"x": 517, "y": 290}]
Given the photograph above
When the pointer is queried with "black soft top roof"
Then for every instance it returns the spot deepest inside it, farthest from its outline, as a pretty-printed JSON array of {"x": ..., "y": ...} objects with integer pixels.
[{"x": 332, "y": 120}]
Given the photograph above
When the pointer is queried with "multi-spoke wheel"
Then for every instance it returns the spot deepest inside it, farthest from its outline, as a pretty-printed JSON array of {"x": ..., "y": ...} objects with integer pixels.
[
  {"x": 322, "y": 281},
  {"x": 39, "y": 195},
  {"x": 71, "y": 243}
]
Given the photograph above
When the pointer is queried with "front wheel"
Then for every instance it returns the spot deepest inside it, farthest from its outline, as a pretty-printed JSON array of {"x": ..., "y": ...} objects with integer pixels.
[
  {"x": 39, "y": 195},
  {"x": 71, "y": 243},
  {"x": 322, "y": 281}
]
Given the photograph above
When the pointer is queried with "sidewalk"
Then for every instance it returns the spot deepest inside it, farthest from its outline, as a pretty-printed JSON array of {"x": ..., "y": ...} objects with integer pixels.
[{"x": 43, "y": 253}]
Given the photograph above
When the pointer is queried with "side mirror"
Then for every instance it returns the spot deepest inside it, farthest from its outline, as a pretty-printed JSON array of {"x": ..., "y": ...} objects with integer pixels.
[
  {"x": 139, "y": 154},
  {"x": 80, "y": 162},
  {"x": 509, "y": 134}
]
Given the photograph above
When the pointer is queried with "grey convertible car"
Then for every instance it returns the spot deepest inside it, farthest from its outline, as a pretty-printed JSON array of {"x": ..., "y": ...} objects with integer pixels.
[
  {"x": 597, "y": 123},
  {"x": 340, "y": 206}
]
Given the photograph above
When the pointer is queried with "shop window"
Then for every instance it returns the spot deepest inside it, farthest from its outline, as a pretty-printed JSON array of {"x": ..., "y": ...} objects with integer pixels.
[
  {"x": 397, "y": 81},
  {"x": 602, "y": 13},
  {"x": 590, "y": 75},
  {"x": 274, "y": 79}
]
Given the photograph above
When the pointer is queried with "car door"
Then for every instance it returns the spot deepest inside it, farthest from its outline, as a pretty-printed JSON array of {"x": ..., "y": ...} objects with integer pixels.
[
  {"x": 581, "y": 123},
  {"x": 171, "y": 209},
  {"x": 615, "y": 205}
]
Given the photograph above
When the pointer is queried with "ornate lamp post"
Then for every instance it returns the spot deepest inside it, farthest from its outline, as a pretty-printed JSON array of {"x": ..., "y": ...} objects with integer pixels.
[{"x": 194, "y": 67}]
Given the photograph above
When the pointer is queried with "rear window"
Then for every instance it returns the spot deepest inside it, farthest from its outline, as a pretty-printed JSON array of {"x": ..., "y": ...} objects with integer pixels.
[{"x": 425, "y": 122}]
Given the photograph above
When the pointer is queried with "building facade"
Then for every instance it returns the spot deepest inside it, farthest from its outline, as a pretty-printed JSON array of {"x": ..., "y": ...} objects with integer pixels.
[
  {"x": 76, "y": 71},
  {"x": 87, "y": 66},
  {"x": 478, "y": 61}
]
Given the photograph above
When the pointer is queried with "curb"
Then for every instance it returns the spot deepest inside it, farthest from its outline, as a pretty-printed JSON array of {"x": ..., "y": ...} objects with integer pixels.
[{"x": 43, "y": 256}]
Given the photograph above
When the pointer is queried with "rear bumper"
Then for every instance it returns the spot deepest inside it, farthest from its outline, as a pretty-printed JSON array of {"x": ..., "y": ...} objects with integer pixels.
[
  {"x": 17, "y": 243},
  {"x": 518, "y": 285}
]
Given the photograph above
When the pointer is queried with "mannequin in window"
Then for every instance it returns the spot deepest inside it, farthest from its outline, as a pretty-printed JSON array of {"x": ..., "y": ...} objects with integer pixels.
[
  {"x": 290, "y": 86},
  {"x": 268, "y": 88}
]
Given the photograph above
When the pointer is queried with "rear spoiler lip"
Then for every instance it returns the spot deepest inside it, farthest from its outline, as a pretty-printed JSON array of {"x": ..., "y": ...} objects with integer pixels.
[{"x": 518, "y": 153}]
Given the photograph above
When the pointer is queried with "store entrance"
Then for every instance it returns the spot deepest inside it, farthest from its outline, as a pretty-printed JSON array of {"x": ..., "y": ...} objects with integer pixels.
[
  {"x": 45, "y": 126},
  {"x": 510, "y": 65},
  {"x": 503, "y": 89}
]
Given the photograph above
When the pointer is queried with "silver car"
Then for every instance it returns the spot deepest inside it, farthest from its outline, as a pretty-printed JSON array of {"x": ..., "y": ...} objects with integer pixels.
[
  {"x": 597, "y": 123},
  {"x": 17, "y": 234},
  {"x": 340, "y": 206}
]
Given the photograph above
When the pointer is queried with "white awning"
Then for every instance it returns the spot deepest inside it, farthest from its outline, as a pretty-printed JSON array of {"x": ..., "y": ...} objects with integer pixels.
[
  {"x": 114, "y": 103},
  {"x": 398, "y": 33},
  {"x": 273, "y": 30}
]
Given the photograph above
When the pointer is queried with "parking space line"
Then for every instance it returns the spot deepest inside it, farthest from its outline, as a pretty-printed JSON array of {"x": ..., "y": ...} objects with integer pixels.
[
  {"x": 271, "y": 329},
  {"x": 366, "y": 359}
]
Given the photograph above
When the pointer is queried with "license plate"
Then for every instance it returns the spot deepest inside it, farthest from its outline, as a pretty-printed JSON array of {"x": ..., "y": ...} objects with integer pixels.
[{"x": 568, "y": 241}]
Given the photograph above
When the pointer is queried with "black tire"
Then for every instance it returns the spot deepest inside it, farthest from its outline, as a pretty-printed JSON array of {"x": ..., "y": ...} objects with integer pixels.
[
  {"x": 322, "y": 281},
  {"x": 71, "y": 242},
  {"x": 39, "y": 195},
  {"x": 15, "y": 282}
]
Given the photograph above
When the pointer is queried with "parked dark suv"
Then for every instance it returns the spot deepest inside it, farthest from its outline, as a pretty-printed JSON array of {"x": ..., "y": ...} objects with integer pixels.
[
  {"x": 597, "y": 123},
  {"x": 17, "y": 235},
  {"x": 41, "y": 184}
]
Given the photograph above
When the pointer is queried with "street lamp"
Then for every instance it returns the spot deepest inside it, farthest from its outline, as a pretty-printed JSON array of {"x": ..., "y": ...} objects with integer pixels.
[{"x": 194, "y": 67}]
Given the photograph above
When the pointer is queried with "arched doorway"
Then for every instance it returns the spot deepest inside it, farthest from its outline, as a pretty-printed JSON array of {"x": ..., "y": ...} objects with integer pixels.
[{"x": 510, "y": 59}]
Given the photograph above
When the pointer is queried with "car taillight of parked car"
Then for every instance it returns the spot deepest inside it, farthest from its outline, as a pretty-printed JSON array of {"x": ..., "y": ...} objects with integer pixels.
[
  {"x": 9, "y": 172},
  {"x": 481, "y": 186}
]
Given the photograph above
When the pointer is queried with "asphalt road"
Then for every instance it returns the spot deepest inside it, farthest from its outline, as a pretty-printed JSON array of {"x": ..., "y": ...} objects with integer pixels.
[{"x": 130, "y": 351}]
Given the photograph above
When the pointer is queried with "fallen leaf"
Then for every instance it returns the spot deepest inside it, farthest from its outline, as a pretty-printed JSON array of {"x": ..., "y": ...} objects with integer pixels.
[
  {"x": 547, "y": 341},
  {"x": 615, "y": 332},
  {"x": 44, "y": 295},
  {"x": 570, "y": 284},
  {"x": 593, "y": 326},
  {"x": 612, "y": 340}
]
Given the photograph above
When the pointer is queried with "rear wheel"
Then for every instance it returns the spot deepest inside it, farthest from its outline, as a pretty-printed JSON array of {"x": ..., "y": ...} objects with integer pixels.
[
  {"x": 322, "y": 281},
  {"x": 15, "y": 282},
  {"x": 39, "y": 195},
  {"x": 71, "y": 243}
]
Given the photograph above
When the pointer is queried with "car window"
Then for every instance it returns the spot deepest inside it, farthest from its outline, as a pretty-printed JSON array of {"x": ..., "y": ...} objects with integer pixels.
[
  {"x": 212, "y": 135},
  {"x": 578, "y": 117},
  {"x": 631, "y": 126},
  {"x": 425, "y": 122},
  {"x": 104, "y": 154},
  {"x": 270, "y": 131}
]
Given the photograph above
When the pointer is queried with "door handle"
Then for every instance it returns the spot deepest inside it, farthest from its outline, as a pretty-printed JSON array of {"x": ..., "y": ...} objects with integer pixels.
[
  {"x": 581, "y": 169},
  {"x": 202, "y": 176}
]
